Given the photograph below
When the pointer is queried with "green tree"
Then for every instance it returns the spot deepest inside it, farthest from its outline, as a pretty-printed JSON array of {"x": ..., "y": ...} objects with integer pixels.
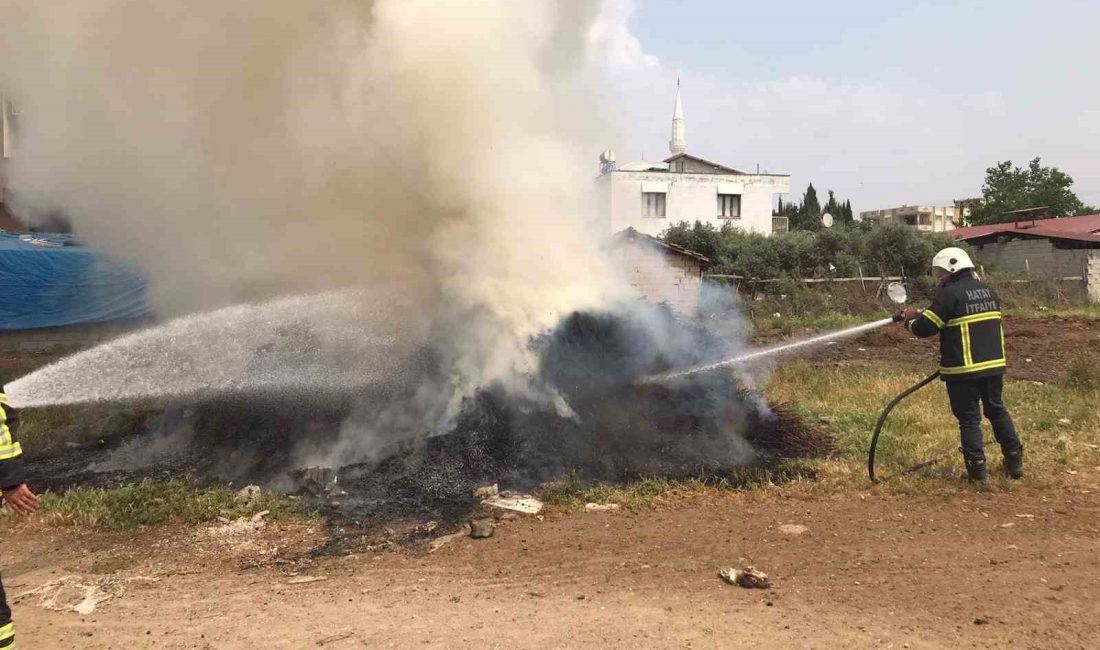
[
  {"x": 1008, "y": 188},
  {"x": 808, "y": 214}
]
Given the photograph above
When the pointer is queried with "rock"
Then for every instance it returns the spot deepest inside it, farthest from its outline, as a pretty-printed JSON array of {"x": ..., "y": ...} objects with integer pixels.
[
  {"x": 259, "y": 516},
  {"x": 793, "y": 529},
  {"x": 747, "y": 577},
  {"x": 600, "y": 507},
  {"x": 482, "y": 528},
  {"x": 248, "y": 494},
  {"x": 487, "y": 491},
  {"x": 1064, "y": 422},
  {"x": 524, "y": 503}
]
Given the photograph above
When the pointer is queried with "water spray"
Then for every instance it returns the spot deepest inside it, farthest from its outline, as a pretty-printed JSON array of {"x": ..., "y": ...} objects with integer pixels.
[{"x": 895, "y": 291}]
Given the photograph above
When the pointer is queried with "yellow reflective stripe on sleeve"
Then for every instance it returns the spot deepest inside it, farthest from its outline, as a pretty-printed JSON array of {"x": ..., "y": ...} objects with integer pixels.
[
  {"x": 974, "y": 318},
  {"x": 968, "y": 360},
  {"x": 8, "y": 452},
  {"x": 932, "y": 316},
  {"x": 977, "y": 367},
  {"x": 7, "y": 631},
  {"x": 5, "y": 434},
  {"x": 3, "y": 398}
]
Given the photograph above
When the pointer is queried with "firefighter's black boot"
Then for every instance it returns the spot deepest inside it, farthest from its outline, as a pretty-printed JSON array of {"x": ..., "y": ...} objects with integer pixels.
[
  {"x": 975, "y": 470},
  {"x": 1014, "y": 463}
]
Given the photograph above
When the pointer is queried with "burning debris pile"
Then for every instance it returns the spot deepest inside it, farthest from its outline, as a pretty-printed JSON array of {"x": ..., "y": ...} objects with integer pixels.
[
  {"x": 614, "y": 427},
  {"x": 593, "y": 415}
]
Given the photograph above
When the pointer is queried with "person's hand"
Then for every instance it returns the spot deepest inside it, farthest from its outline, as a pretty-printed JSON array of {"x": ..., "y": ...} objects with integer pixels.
[
  {"x": 21, "y": 500},
  {"x": 909, "y": 313}
]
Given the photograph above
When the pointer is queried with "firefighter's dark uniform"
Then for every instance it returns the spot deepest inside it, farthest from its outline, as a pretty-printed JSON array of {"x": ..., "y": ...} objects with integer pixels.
[
  {"x": 966, "y": 313},
  {"x": 12, "y": 475}
]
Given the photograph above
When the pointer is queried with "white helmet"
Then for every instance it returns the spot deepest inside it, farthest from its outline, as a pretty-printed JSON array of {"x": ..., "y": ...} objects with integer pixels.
[{"x": 952, "y": 260}]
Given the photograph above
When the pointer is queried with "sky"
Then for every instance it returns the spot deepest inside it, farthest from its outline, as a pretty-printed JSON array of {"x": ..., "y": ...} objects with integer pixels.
[{"x": 886, "y": 103}]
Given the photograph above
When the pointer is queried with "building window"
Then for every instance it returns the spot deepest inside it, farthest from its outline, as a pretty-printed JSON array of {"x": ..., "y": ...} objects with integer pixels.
[
  {"x": 653, "y": 204},
  {"x": 729, "y": 206},
  {"x": 925, "y": 219}
]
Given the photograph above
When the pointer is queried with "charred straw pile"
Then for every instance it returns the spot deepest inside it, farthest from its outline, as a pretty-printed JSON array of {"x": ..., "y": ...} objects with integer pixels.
[
  {"x": 618, "y": 428},
  {"x": 595, "y": 417}
]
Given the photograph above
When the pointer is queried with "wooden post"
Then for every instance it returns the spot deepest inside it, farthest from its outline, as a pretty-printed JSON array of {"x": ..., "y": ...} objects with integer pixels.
[{"x": 861, "y": 281}]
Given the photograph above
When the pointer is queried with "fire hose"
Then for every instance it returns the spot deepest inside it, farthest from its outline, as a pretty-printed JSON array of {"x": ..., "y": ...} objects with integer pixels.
[{"x": 886, "y": 412}]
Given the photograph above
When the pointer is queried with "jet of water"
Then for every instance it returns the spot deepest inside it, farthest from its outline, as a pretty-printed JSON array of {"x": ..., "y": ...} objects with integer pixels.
[
  {"x": 767, "y": 352},
  {"x": 332, "y": 341}
]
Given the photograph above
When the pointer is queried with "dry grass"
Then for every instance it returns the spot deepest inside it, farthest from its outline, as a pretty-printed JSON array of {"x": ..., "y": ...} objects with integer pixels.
[
  {"x": 1058, "y": 422},
  {"x": 150, "y": 502}
]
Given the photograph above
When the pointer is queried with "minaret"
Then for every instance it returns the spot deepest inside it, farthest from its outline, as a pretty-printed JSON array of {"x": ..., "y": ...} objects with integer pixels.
[{"x": 677, "y": 144}]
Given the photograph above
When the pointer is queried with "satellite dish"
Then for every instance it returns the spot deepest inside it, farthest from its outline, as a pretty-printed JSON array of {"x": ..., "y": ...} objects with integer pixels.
[
  {"x": 827, "y": 220},
  {"x": 896, "y": 292}
]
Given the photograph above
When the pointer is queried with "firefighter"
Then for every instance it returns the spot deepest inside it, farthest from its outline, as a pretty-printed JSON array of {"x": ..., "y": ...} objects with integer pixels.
[
  {"x": 966, "y": 313},
  {"x": 16, "y": 494}
]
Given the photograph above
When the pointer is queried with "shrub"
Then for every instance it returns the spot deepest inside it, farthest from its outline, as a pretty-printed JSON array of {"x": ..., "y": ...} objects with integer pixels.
[{"x": 841, "y": 251}]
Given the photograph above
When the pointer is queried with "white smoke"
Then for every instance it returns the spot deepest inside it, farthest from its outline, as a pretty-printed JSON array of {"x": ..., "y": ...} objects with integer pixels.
[
  {"x": 240, "y": 151},
  {"x": 249, "y": 149}
]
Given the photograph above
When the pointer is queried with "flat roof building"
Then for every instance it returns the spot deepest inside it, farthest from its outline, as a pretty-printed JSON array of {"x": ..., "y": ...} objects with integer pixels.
[
  {"x": 922, "y": 217},
  {"x": 651, "y": 196}
]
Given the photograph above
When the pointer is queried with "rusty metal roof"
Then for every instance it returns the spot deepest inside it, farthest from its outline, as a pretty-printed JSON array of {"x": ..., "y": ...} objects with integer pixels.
[{"x": 1083, "y": 228}]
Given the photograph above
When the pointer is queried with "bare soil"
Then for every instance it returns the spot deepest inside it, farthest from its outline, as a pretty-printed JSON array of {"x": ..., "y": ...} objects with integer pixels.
[
  {"x": 1038, "y": 350},
  {"x": 972, "y": 570}
]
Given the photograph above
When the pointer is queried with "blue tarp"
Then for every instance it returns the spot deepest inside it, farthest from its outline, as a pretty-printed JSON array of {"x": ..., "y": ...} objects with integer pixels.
[{"x": 63, "y": 284}]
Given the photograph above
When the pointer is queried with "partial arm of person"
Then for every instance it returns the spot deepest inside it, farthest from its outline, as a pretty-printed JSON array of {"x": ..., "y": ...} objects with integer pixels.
[
  {"x": 13, "y": 474},
  {"x": 929, "y": 321}
]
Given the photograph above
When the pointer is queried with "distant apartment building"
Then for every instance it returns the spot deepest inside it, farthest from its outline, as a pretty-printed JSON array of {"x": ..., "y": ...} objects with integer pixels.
[
  {"x": 7, "y": 149},
  {"x": 922, "y": 217},
  {"x": 651, "y": 196}
]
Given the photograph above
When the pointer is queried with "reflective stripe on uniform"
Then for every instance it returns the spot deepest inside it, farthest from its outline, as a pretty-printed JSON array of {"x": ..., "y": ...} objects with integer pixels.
[
  {"x": 968, "y": 359},
  {"x": 974, "y": 318},
  {"x": 13, "y": 450},
  {"x": 932, "y": 316},
  {"x": 7, "y": 632},
  {"x": 985, "y": 365}
]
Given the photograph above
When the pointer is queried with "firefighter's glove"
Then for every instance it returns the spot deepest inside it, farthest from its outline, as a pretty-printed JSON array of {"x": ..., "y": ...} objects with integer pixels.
[{"x": 907, "y": 315}]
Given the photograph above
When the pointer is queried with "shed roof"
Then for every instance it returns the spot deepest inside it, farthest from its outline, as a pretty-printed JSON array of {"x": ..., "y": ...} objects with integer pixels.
[
  {"x": 633, "y": 236},
  {"x": 1083, "y": 228}
]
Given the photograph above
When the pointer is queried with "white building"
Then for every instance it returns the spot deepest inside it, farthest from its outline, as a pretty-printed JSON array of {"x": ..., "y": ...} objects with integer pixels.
[
  {"x": 651, "y": 196},
  {"x": 928, "y": 218}
]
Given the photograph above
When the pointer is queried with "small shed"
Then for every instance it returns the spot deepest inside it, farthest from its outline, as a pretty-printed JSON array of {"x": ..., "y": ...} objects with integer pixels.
[
  {"x": 1060, "y": 248},
  {"x": 662, "y": 272}
]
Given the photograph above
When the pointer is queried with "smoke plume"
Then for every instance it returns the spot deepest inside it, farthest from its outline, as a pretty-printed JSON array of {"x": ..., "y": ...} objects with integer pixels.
[{"x": 242, "y": 151}]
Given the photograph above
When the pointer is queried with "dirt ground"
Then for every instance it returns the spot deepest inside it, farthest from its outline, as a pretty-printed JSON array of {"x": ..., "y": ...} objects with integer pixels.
[
  {"x": 974, "y": 570},
  {"x": 1038, "y": 350}
]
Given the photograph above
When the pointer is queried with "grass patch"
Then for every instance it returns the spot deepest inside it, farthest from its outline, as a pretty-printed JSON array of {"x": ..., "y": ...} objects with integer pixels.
[
  {"x": 1083, "y": 310},
  {"x": 1084, "y": 374},
  {"x": 48, "y": 427},
  {"x": 150, "y": 502},
  {"x": 786, "y": 325},
  {"x": 1060, "y": 425},
  {"x": 573, "y": 490}
]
